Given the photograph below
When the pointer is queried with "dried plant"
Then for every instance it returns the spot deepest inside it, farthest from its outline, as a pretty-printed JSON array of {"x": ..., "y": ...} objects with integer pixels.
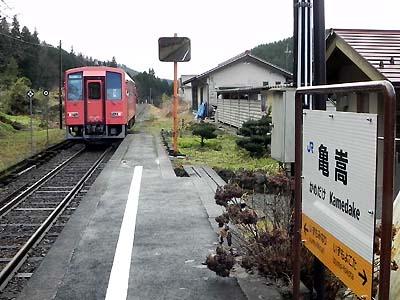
[
  {"x": 228, "y": 194},
  {"x": 221, "y": 263}
]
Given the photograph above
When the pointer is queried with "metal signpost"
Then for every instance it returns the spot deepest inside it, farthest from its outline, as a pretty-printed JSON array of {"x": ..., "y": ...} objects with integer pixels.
[
  {"x": 30, "y": 95},
  {"x": 338, "y": 207},
  {"x": 46, "y": 94},
  {"x": 335, "y": 178},
  {"x": 174, "y": 49}
]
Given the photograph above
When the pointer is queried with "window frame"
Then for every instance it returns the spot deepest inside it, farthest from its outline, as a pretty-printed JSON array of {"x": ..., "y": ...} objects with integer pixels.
[
  {"x": 109, "y": 87},
  {"x": 89, "y": 92},
  {"x": 69, "y": 80}
]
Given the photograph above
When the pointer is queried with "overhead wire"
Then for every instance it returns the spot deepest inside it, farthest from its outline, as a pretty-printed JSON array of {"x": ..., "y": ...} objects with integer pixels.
[
  {"x": 29, "y": 43},
  {"x": 5, "y": 3},
  {"x": 3, "y": 7}
]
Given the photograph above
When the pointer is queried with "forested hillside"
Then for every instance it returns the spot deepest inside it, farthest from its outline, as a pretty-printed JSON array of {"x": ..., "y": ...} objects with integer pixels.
[
  {"x": 279, "y": 53},
  {"x": 27, "y": 62},
  {"x": 23, "y": 54},
  {"x": 150, "y": 85}
]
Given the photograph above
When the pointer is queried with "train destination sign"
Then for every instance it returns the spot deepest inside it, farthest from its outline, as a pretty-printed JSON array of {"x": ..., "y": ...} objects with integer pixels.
[{"x": 339, "y": 193}]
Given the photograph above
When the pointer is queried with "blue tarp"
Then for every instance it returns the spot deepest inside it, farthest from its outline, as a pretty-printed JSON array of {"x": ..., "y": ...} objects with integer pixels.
[{"x": 202, "y": 111}]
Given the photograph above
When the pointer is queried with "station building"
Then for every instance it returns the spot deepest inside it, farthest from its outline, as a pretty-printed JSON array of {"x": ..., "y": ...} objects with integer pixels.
[
  {"x": 354, "y": 55},
  {"x": 244, "y": 71}
]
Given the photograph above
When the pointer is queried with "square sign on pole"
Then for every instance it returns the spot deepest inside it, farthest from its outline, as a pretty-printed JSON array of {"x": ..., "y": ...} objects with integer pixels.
[{"x": 339, "y": 193}]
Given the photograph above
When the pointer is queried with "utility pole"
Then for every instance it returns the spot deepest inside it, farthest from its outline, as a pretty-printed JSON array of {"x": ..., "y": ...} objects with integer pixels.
[
  {"x": 150, "y": 97},
  {"x": 175, "y": 107},
  {"x": 319, "y": 51},
  {"x": 60, "y": 87},
  {"x": 287, "y": 52},
  {"x": 308, "y": 47},
  {"x": 319, "y": 103}
]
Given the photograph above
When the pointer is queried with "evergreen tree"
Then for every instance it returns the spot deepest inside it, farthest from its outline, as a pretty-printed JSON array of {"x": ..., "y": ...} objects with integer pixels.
[
  {"x": 256, "y": 136},
  {"x": 10, "y": 74},
  {"x": 113, "y": 62},
  {"x": 204, "y": 131},
  {"x": 5, "y": 43},
  {"x": 15, "y": 32},
  {"x": 29, "y": 56},
  {"x": 17, "y": 96},
  {"x": 15, "y": 28},
  {"x": 146, "y": 81},
  {"x": 23, "y": 54}
]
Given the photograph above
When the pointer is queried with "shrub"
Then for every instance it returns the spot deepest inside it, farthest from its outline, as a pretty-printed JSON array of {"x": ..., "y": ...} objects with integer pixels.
[
  {"x": 256, "y": 136},
  {"x": 204, "y": 130},
  {"x": 16, "y": 96}
]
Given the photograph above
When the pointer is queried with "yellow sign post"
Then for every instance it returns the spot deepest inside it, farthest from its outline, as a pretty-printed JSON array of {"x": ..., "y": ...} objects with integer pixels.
[{"x": 351, "y": 268}]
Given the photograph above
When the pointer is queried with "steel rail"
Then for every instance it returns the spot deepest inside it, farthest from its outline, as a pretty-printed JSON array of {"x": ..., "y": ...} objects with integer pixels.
[
  {"x": 12, "y": 267},
  {"x": 13, "y": 194},
  {"x": 22, "y": 166},
  {"x": 34, "y": 187}
]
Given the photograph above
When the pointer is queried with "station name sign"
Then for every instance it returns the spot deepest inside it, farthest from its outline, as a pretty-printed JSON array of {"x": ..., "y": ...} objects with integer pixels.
[{"x": 339, "y": 193}]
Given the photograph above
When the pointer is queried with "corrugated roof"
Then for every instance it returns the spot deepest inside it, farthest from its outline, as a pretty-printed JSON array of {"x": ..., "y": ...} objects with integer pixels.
[
  {"x": 241, "y": 56},
  {"x": 252, "y": 89},
  {"x": 380, "y": 48}
]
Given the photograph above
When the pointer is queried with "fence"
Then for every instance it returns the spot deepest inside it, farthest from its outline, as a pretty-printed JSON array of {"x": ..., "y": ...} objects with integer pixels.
[{"x": 236, "y": 111}]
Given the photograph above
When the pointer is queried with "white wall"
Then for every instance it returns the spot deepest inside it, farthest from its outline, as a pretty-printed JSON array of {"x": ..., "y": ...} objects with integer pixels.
[
  {"x": 244, "y": 74},
  {"x": 186, "y": 93},
  {"x": 241, "y": 75}
]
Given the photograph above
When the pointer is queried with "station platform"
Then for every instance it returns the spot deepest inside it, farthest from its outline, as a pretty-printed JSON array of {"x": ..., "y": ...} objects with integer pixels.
[{"x": 108, "y": 251}]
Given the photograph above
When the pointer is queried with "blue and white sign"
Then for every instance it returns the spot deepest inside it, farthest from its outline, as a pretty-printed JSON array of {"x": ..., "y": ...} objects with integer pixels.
[{"x": 339, "y": 175}]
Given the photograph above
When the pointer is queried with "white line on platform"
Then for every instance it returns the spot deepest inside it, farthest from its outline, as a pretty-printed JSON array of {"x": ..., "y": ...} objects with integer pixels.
[{"x": 118, "y": 283}]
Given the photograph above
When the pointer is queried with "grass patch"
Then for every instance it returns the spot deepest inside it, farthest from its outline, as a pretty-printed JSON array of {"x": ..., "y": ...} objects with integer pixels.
[
  {"x": 25, "y": 121},
  {"x": 15, "y": 145},
  {"x": 223, "y": 152},
  {"x": 6, "y": 129}
]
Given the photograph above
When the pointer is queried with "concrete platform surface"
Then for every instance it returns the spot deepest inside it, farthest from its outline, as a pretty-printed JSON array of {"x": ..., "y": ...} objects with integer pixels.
[{"x": 172, "y": 236}]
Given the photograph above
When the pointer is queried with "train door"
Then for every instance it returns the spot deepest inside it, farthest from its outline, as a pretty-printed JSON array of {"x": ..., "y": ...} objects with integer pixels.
[{"x": 94, "y": 101}]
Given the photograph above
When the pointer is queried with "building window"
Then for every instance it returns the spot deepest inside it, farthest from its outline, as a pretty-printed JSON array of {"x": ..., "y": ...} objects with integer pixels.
[
  {"x": 277, "y": 82},
  {"x": 265, "y": 83}
]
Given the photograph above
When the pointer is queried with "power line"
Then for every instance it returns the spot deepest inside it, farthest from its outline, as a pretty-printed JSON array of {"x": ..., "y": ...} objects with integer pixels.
[
  {"x": 29, "y": 43},
  {"x": 3, "y": 7},
  {"x": 5, "y": 3}
]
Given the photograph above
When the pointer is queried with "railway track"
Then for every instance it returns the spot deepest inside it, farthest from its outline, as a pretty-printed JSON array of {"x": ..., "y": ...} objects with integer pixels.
[{"x": 31, "y": 218}]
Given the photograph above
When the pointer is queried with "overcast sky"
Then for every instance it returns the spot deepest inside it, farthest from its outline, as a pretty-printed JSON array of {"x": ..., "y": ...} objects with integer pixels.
[{"x": 218, "y": 29}]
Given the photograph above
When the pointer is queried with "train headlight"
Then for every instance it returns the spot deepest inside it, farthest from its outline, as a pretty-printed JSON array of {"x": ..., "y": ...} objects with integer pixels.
[
  {"x": 73, "y": 114},
  {"x": 116, "y": 114}
]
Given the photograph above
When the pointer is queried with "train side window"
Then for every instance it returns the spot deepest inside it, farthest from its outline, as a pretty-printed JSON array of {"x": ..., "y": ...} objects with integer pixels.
[
  {"x": 75, "y": 86},
  {"x": 114, "y": 86},
  {"x": 94, "y": 90}
]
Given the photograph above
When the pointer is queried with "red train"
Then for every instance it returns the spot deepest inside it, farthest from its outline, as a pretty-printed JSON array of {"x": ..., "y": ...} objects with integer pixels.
[{"x": 100, "y": 103}]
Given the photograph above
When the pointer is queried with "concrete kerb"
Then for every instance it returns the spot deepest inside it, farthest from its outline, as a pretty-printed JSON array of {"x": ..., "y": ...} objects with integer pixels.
[{"x": 253, "y": 286}]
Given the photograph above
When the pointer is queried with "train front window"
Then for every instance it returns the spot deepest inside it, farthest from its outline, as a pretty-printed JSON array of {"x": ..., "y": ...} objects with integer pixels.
[
  {"x": 75, "y": 86},
  {"x": 94, "y": 92},
  {"x": 114, "y": 86}
]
